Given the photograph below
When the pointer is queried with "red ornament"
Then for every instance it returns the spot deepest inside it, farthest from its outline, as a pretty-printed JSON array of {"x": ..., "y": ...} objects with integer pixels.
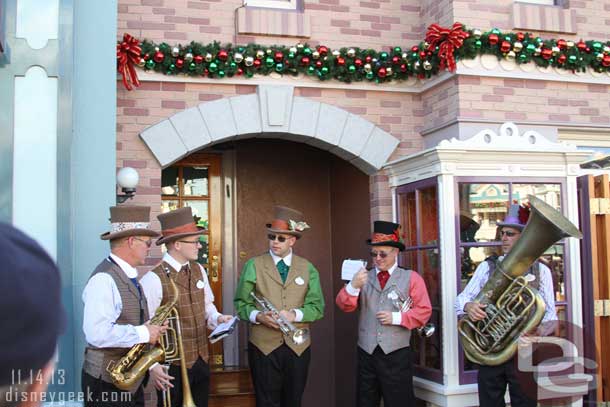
[
  {"x": 403, "y": 68},
  {"x": 158, "y": 57},
  {"x": 587, "y": 50},
  {"x": 318, "y": 64},
  {"x": 146, "y": 57},
  {"x": 395, "y": 60},
  {"x": 562, "y": 44},
  {"x": 305, "y": 61},
  {"x": 606, "y": 61},
  {"x": 278, "y": 56},
  {"x": 520, "y": 36},
  {"x": 547, "y": 53},
  {"x": 422, "y": 54},
  {"x": 581, "y": 46},
  {"x": 505, "y": 46},
  {"x": 257, "y": 63},
  {"x": 128, "y": 56},
  {"x": 323, "y": 50},
  {"x": 358, "y": 62},
  {"x": 382, "y": 72},
  {"x": 414, "y": 48},
  {"x": 198, "y": 59},
  {"x": 447, "y": 40},
  {"x": 368, "y": 59},
  {"x": 179, "y": 63},
  {"x": 493, "y": 39},
  {"x": 240, "y": 71},
  {"x": 341, "y": 61},
  {"x": 562, "y": 59},
  {"x": 223, "y": 55}
]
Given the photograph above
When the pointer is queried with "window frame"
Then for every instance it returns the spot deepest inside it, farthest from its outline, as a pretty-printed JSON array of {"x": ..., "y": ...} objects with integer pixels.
[
  {"x": 539, "y": 2},
  {"x": 470, "y": 376},
  {"x": 277, "y": 5}
]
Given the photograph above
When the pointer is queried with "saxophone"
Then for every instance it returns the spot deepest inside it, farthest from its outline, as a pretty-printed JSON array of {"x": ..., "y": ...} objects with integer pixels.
[
  {"x": 132, "y": 367},
  {"x": 512, "y": 306}
]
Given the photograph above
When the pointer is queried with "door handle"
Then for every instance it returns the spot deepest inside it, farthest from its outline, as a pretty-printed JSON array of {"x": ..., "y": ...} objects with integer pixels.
[{"x": 214, "y": 268}]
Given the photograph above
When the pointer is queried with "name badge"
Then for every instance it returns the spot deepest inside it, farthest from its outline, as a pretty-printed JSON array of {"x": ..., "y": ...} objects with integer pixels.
[
  {"x": 200, "y": 284},
  {"x": 299, "y": 281}
]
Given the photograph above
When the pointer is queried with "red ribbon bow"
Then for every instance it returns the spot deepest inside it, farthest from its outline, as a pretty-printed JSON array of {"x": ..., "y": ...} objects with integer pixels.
[
  {"x": 448, "y": 40},
  {"x": 128, "y": 55}
]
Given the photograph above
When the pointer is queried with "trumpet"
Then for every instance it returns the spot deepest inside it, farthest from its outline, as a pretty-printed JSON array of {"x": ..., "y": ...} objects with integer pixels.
[
  {"x": 403, "y": 304},
  {"x": 296, "y": 335}
]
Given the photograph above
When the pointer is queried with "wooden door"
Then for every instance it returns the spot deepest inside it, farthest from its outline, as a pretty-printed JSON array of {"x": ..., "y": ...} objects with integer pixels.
[{"x": 195, "y": 181}]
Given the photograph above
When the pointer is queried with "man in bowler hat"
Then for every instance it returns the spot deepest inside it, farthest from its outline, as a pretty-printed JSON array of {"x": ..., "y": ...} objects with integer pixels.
[
  {"x": 195, "y": 305},
  {"x": 32, "y": 318},
  {"x": 385, "y": 360},
  {"x": 279, "y": 367},
  {"x": 116, "y": 313}
]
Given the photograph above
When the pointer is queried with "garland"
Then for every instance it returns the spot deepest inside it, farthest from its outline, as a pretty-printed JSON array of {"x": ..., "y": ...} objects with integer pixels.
[{"x": 440, "y": 50}]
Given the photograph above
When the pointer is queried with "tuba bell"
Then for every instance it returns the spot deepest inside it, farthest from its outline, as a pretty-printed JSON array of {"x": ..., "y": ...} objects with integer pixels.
[{"x": 512, "y": 306}]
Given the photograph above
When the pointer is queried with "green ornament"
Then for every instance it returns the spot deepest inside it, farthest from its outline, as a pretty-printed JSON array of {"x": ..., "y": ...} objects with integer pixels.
[
  {"x": 351, "y": 69},
  {"x": 150, "y": 64},
  {"x": 495, "y": 31},
  {"x": 383, "y": 56},
  {"x": 269, "y": 62},
  {"x": 539, "y": 40},
  {"x": 241, "y": 49},
  {"x": 249, "y": 74},
  {"x": 213, "y": 67},
  {"x": 192, "y": 66},
  {"x": 324, "y": 70},
  {"x": 478, "y": 44},
  {"x": 572, "y": 59},
  {"x": 530, "y": 48},
  {"x": 279, "y": 67},
  {"x": 172, "y": 68},
  {"x": 307, "y": 51},
  {"x": 597, "y": 46},
  {"x": 397, "y": 50},
  {"x": 522, "y": 57},
  {"x": 311, "y": 70},
  {"x": 233, "y": 65},
  {"x": 370, "y": 75},
  {"x": 221, "y": 74}
]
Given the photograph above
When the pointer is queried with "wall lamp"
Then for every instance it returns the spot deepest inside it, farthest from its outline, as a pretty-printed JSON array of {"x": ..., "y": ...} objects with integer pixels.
[{"x": 127, "y": 178}]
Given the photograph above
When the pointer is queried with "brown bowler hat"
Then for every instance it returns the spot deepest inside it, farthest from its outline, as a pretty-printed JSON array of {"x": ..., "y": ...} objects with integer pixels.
[
  {"x": 129, "y": 220},
  {"x": 177, "y": 224},
  {"x": 287, "y": 221}
]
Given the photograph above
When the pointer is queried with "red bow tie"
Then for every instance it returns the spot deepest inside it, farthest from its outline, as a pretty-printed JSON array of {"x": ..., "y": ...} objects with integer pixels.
[{"x": 383, "y": 277}]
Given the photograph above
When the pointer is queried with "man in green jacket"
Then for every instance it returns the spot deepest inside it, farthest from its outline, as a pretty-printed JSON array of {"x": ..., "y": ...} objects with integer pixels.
[{"x": 291, "y": 284}]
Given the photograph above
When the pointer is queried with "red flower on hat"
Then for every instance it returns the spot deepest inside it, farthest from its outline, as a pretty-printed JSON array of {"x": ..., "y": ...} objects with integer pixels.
[{"x": 524, "y": 213}]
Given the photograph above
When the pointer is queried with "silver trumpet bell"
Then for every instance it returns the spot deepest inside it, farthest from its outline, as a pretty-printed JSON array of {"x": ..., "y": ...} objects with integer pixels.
[
  {"x": 403, "y": 304},
  {"x": 298, "y": 336}
]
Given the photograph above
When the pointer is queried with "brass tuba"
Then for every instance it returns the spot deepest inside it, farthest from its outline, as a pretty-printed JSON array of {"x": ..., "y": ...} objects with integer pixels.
[
  {"x": 134, "y": 365},
  {"x": 512, "y": 306}
]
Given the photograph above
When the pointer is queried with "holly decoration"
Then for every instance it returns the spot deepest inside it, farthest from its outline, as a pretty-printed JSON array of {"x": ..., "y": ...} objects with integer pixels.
[{"x": 441, "y": 50}]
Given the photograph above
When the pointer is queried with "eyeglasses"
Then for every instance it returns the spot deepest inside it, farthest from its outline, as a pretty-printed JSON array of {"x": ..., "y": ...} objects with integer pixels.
[
  {"x": 196, "y": 242},
  {"x": 280, "y": 239},
  {"x": 148, "y": 242},
  {"x": 508, "y": 233},
  {"x": 383, "y": 255}
]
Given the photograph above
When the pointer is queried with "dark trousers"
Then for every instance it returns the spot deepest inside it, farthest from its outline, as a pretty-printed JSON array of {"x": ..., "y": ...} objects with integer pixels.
[
  {"x": 98, "y": 393},
  {"x": 492, "y": 382},
  {"x": 199, "y": 379},
  {"x": 279, "y": 378},
  {"x": 385, "y": 376}
]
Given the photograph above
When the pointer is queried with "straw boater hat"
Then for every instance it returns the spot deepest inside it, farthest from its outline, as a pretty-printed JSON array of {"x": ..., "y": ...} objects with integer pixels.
[
  {"x": 287, "y": 221},
  {"x": 129, "y": 220},
  {"x": 517, "y": 217},
  {"x": 177, "y": 224},
  {"x": 386, "y": 234}
]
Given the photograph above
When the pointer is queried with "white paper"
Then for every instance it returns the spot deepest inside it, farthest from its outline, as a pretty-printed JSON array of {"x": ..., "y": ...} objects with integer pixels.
[{"x": 351, "y": 267}]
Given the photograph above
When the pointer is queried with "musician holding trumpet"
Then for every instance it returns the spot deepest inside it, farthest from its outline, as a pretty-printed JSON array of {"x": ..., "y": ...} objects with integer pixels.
[
  {"x": 385, "y": 361},
  {"x": 280, "y": 294}
]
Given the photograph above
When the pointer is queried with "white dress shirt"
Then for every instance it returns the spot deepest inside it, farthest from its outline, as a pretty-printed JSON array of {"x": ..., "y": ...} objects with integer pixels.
[
  {"x": 288, "y": 262},
  {"x": 480, "y": 277},
  {"x": 353, "y": 291},
  {"x": 103, "y": 306},
  {"x": 151, "y": 284}
]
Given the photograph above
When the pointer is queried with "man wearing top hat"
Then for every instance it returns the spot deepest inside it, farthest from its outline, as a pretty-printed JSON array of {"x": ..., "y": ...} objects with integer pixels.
[
  {"x": 493, "y": 380},
  {"x": 278, "y": 366},
  {"x": 116, "y": 314},
  {"x": 195, "y": 306},
  {"x": 385, "y": 360}
]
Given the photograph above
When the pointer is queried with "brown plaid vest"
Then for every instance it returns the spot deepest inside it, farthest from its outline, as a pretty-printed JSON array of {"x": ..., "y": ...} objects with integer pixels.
[
  {"x": 97, "y": 359},
  {"x": 191, "y": 309},
  {"x": 286, "y": 296}
]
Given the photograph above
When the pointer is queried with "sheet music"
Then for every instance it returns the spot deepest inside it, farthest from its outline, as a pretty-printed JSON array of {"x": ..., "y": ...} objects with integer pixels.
[
  {"x": 223, "y": 329},
  {"x": 351, "y": 267}
]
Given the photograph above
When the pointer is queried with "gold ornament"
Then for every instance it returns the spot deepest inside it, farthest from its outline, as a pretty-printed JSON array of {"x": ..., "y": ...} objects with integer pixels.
[
  {"x": 599, "y": 56},
  {"x": 555, "y": 51},
  {"x": 188, "y": 57},
  {"x": 416, "y": 65},
  {"x": 293, "y": 50},
  {"x": 537, "y": 51},
  {"x": 351, "y": 52},
  {"x": 336, "y": 53},
  {"x": 315, "y": 55},
  {"x": 141, "y": 63},
  {"x": 517, "y": 46},
  {"x": 156, "y": 49},
  {"x": 388, "y": 71},
  {"x": 405, "y": 56},
  {"x": 427, "y": 65},
  {"x": 238, "y": 57},
  {"x": 269, "y": 51},
  {"x": 606, "y": 50},
  {"x": 208, "y": 57},
  {"x": 511, "y": 55},
  {"x": 249, "y": 61},
  {"x": 300, "y": 46},
  {"x": 260, "y": 53},
  {"x": 426, "y": 45},
  {"x": 477, "y": 33},
  {"x": 175, "y": 51},
  {"x": 569, "y": 44},
  {"x": 367, "y": 68}
]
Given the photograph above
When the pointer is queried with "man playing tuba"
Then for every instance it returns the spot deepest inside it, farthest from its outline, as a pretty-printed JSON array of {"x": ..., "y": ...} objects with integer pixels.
[
  {"x": 195, "y": 306},
  {"x": 492, "y": 380}
]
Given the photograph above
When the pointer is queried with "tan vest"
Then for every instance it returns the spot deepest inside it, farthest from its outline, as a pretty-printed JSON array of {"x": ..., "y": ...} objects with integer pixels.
[
  {"x": 285, "y": 296},
  {"x": 97, "y": 359},
  {"x": 191, "y": 309}
]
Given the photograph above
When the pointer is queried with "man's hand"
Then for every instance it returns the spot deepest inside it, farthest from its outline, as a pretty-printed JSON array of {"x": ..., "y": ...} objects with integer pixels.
[
  {"x": 155, "y": 331},
  {"x": 289, "y": 316},
  {"x": 224, "y": 318},
  {"x": 385, "y": 317},
  {"x": 160, "y": 378},
  {"x": 360, "y": 278},
  {"x": 266, "y": 318},
  {"x": 475, "y": 311}
]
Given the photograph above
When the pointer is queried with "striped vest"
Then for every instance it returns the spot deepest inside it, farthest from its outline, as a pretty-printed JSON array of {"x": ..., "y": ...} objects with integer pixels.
[
  {"x": 97, "y": 359},
  {"x": 191, "y": 309}
]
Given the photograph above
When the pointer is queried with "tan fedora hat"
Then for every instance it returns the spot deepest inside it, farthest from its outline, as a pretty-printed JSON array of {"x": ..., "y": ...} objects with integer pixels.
[
  {"x": 129, "y": 220},
  {"x": 287, "y": 221},
  {"x": 177, "y": 224}
]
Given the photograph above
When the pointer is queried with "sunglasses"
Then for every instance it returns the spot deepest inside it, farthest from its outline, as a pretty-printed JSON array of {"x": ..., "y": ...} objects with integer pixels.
[
  {"x": 148, "y": 243},
  {"x": 383, "y": 255},
  {"x": 196, "y": 242},
  {"x": 280, "y": 239},
  {"x": 508, "y": 233}
]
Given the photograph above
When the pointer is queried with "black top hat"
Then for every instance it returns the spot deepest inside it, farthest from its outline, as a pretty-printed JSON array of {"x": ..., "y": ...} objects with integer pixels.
[{"x": 386, "y": 234}]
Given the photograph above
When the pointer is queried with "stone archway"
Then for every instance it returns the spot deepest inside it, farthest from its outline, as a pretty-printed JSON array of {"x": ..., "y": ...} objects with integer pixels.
[{"x": 277, "y": 113}]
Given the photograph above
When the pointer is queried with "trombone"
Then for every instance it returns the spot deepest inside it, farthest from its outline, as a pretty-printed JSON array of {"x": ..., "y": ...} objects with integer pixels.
[{"x": 296, "y": 335}]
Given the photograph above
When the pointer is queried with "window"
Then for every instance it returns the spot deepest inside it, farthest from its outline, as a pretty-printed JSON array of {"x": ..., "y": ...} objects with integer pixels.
[
  {"x": 482, "y": 204},
  {"x": 418, "y": 215},
  {"x": 278, "y": 4},
  {"x": 185, "y": 185},
  {"x": 545, "y": 2}
]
